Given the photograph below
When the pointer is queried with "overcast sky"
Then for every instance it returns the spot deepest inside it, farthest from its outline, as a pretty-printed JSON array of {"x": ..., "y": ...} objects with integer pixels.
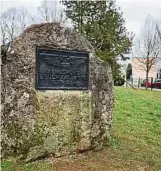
[{"x": 135, "y": 11}]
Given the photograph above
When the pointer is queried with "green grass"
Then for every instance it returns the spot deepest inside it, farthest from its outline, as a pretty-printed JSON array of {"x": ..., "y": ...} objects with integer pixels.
[
  {"x": 136, "y": 141},
  {"x": 137, "y": 125},
  {"x": 13, "y": 165}
]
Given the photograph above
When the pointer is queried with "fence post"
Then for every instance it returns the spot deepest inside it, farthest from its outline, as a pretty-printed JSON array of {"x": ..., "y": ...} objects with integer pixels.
[
  {"x": 139, "y": 82},
  {"x": 151, "y": 83}
]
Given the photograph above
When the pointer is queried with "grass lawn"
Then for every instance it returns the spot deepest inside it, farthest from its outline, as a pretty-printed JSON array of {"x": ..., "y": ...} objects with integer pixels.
[{"x": 135, "y": 145}]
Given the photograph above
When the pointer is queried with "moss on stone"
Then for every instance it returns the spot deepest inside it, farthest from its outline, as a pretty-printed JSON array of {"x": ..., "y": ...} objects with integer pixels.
[{"x": 63, "y": 118}]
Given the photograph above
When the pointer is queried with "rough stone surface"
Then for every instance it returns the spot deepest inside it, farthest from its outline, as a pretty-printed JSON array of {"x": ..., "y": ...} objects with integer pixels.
[
  {"x": 52, "y": 122},
  {"x": 36, "y": 152}
]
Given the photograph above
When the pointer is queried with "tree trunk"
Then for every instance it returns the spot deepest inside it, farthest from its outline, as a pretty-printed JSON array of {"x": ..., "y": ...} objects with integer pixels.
[{"x": 146, "y": 85}]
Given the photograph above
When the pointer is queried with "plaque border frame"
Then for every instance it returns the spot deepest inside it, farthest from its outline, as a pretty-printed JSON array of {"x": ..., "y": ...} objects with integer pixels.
[{"x": 37, "y": 87}]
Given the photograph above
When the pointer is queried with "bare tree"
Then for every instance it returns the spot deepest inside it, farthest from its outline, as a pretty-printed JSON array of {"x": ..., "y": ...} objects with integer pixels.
[
  {"x": 50, "y": 11},
  {"x": 159, "y": 31},
  {"x": 148, "y": 46},
  {"x": 158, "y": 25},
  {"x": 13, "y": 22},
  {"x": 3, "y": 30}
]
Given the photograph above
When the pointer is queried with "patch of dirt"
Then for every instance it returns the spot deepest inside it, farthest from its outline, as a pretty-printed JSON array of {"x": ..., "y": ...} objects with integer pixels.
[
  {"x": 98, "y": 161},
  {"x": 68, "y": 166}
]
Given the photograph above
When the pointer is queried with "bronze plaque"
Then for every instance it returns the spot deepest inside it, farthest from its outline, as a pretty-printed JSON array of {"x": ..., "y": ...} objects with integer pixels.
[{"x": 61, "y": 70}]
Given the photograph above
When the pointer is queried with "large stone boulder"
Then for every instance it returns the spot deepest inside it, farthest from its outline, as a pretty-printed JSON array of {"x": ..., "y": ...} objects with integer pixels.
[{"x": 52, "y": 122}]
